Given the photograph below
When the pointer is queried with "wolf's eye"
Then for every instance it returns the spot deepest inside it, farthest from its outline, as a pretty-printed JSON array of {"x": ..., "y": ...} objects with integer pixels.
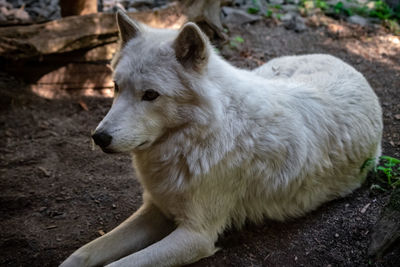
[
  {"x": 150, "y": 95},
  {"x": 116, "y": 88}
]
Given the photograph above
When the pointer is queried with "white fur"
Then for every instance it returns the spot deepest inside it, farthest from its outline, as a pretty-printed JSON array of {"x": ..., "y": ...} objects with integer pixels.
[{"x": 225, "y": 144}]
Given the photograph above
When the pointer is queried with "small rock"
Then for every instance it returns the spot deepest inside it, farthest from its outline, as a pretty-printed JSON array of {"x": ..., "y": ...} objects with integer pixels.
[
  {"x": 293, "y": 21},
  {"x": 287, "y": 17},
  {"x": 276, "y": 2},
  {"x": 397, "y": 116},
  {"x": 290, "y": 8},
  {"x": 356, "y": 19},
  {"x": 336, "y": 235},
  {"x": 4, "y": 3},
  {"x": 237, "y": 16},
  {"x": 41, "y": 12},
  {"x": 141, "y": 3},
  {"x": 132, "y": 9}
]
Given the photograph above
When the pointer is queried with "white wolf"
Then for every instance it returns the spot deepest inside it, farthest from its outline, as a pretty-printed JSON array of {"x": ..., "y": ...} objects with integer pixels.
[{"x": 214, "y": 145}]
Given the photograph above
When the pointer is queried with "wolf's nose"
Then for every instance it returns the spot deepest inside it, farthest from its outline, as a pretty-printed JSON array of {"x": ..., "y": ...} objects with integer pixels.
[{"x": 102, "y": 139}]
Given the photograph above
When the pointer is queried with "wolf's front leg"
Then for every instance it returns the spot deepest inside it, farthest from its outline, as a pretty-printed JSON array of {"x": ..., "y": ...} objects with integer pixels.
[
  {"x": 182, "y": 246},
  {"x": 146, "y": 226}
]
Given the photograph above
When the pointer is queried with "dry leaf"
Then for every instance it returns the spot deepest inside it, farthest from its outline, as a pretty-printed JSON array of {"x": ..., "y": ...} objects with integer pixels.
[
  {"x": 363, "y": 210},
  {"x": 45, "y": 171},
  {"x": 83, "y": 105}
]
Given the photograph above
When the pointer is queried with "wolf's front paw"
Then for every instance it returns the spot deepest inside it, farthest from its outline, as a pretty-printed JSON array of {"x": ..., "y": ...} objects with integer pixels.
[{"x": 76, "y": 260}]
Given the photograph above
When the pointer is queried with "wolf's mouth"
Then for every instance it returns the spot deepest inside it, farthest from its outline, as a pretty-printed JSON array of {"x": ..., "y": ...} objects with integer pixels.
[{"x": 145, "y": 142}]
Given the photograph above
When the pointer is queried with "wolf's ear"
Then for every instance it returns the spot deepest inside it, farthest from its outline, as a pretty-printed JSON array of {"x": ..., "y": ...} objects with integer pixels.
[
  {"x": 126, "y": 26},
  {"x": 191, "y": 47}
]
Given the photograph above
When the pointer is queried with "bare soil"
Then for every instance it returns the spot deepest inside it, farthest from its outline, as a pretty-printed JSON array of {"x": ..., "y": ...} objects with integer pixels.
[{"x": 57, "y": 193}]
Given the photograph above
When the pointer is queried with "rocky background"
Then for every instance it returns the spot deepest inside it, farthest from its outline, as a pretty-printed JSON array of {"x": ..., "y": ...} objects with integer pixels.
[
  {"x": 291, "y": 12},
  {"x": 28, "y": 11},
  {"x": 35, "y": 11}
]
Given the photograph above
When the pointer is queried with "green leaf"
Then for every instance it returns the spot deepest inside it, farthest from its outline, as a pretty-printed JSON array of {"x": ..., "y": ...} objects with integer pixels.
[
  {"x": 381, "y": 168},
  {"x": 395, "y": 184},
  {"x": 338, "y": 7},
  {"x": 268, "y": 13},
  {"x": 239, "y": 39},
  {"x": 233, "y": 44},
  {"x": 388, "y": 158},
  {"x": 253, "y": 10},
  {"x": 377, "y": 187}
]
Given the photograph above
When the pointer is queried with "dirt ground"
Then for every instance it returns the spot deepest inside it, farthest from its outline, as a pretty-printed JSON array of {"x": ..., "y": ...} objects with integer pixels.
[{"x": 57, "y": 193}]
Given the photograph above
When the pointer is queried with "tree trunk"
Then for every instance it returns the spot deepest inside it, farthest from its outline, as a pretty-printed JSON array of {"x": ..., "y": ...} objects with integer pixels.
[
  {"x": 78, "y": 7},
  {"x": 206, "y": 14}
]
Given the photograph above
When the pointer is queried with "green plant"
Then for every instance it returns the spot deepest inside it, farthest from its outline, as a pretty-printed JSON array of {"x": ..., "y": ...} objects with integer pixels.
[
  {"x": 387, "y": 173},
  {"x": 340, "y": 8},
  {"x": 321, "y": 4},
  {"x": 390, "y": 17},
  {"x": 277, "y": 7},
  {"x": 255, "y": 8},
  {"x": 393, "y": 26},
  {"x": 390, "y": 167},
  {"x": 268, "y": 13},
  {"x": 362, "y": 11},
  {"x": 236, "y": 41},
  {"x": 381, "y": 10}
]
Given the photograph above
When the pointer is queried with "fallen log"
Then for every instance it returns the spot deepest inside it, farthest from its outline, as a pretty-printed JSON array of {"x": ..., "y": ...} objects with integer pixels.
[
  {"x": 59, "y": 36},
  {"x": 69, "y": 56},
  {"x": 76, "y": 32}
]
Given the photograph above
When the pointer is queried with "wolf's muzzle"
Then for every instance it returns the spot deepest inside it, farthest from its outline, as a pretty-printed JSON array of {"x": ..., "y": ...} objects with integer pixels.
[{"x": 102, "y": 139}]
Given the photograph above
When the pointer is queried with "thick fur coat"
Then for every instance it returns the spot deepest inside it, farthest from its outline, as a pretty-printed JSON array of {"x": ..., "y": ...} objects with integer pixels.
[{"x": 214, "y": 145}]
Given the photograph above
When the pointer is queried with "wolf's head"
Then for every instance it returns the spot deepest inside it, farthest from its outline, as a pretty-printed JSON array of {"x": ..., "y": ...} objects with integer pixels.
[{"x": 155, "y": 74}]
